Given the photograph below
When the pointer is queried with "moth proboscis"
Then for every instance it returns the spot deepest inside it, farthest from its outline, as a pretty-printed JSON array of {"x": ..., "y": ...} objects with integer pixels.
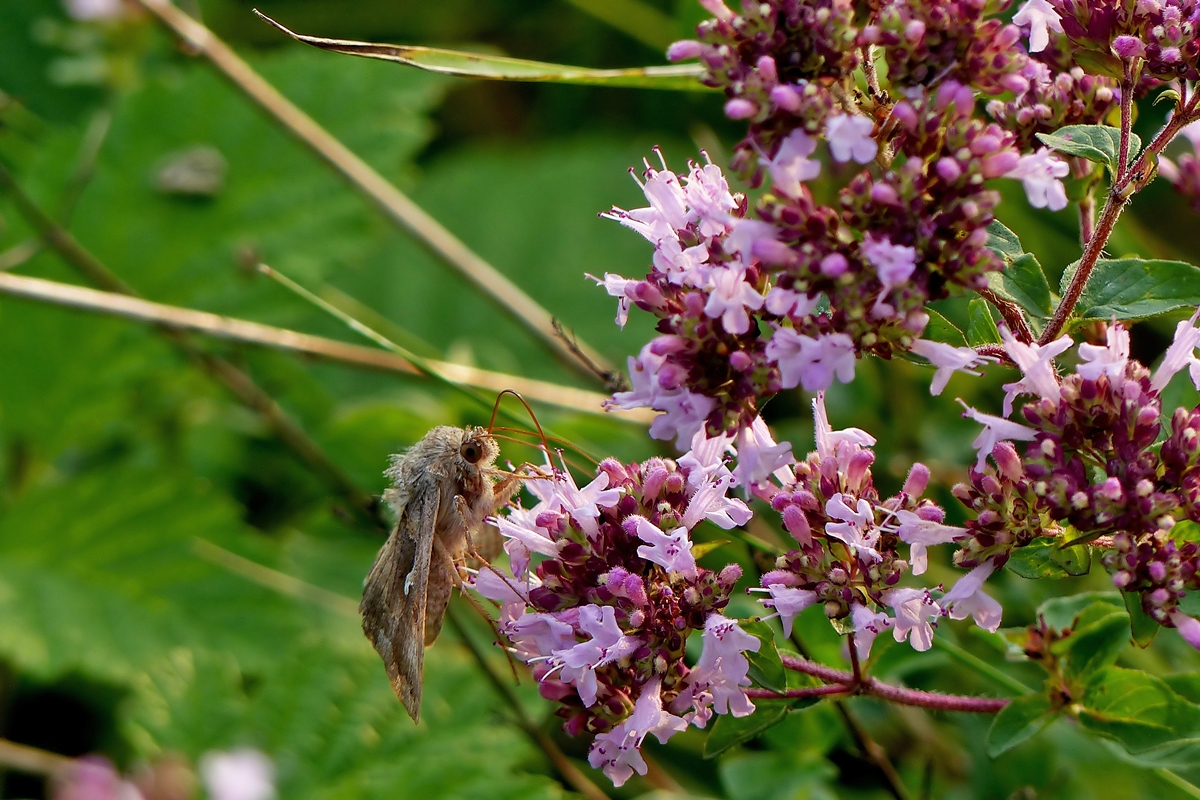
[{"x": 443, "y": 488}]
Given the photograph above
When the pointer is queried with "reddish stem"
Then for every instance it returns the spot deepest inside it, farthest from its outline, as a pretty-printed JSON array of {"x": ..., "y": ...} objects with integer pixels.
[
  {"x": 799, "y": 694},
  {"x": 1012, "y": 314},
  {"x": 845, "y": 683}
]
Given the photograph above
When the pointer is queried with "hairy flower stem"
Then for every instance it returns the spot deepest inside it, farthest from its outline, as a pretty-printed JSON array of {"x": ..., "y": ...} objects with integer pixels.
[
  {"x": 1014, "y": 318},
  {"x": 848, "y": 683},
  {"x": 1129, "y": 180}
]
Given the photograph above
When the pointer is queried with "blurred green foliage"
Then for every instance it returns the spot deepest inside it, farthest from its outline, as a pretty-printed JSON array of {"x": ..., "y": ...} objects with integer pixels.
[{"x": 122, "y": 465}]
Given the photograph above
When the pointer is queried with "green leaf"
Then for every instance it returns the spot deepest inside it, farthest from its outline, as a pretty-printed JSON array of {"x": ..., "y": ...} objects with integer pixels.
[
  {"x": 1067, "y": 611},
  {"x": 1186, "y": 685},
  {"x": 1043, "y": 558},
  {"x": 1133, "y": 288},
  {"x": 941, "y": 329},
  {"x": 1094, "y": 645},
  {"x": 477, "y": 65},
  {"x": 1003, "y": 242},
  {"x": 704, "y": 548},
  {"x": 766, "y": 668},
  {"x": 1021, "y": 719},
  {"x": 1099, "y": 143},
  {"x": 981, "y": 327},
  {"x": 1024, "y": 283},
  {"x": 1138, "y": 710},
  {"x": 1142, "y": 627},
  {"x": 729, "y": 730}
]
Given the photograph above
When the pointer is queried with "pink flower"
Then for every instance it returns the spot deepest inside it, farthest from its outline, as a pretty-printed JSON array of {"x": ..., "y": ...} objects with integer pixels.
[
  {"x": 811, "y": 363},
  {"x": 967, "y": 598},
  {"x": 616, "y": 751},
  {"x": 745, "y": 234},
  {"x": 920, "y": 533},
  {"x": 850, "y": 138},
  {"x": 893, "y": 263},
  {"x": 839, "y": 444},
  {"x": 948, "y": 359},
  {"x": 538, "y": 636},
  {"x": 683, "y": 267},
  {"x": 759, "y": 456},
  {"x": 642, "y": 372},
  {"x": 94, "y": 778},
  {"x": 237, "y": 775},
  {"x": 995, "y": 430},
  {"x": 1188, "y": 627},
  {"x": 791, "y": 165},
  {"x": 730, "y": 297},
  {"x": 788, "y": 603},
  {"x": 857, "y": 526},
  {"x": 1036, "y": 361},
  {"x": 706, "y": 460},
  {"x": 710, "y": 502},
  {"x": 1041, "y": 18},
  {"x": 667, "y": 198},
  {"x": 722, "y": 671},
  {"x": 708, "y": 194},
  {"x": 616, "y": 287},
  {"x": 579, "y": 661},
  {"x": 867, "y": 625},
  {"x": 1109, "y": 360},
  {"x": 1181, "y": 353},
  {"x": 583, "y": 504},
  {"x": 531, "y": 537},
  {"x": 785, "y": 302},
  {"x": 915, "y": 612},
  {"x": 672, "y": 552},
  {"x": 1041, "y": 173},
  {"x": 685, "y": 413},
  {"x": 501, "y": 588}
]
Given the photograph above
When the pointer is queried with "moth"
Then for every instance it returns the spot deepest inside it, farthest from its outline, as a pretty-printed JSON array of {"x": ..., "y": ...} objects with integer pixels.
[{"x": 442, "y": 489}]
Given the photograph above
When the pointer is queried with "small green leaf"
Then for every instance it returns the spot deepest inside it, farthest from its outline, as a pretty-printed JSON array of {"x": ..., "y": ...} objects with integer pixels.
[
  {"x": 1019, "y": 720},
  {"x": 1024, "y": 283},
  {"x": 477, "y": 65},
  {"x": 941, "y": 329},
  {"x": 766, "y": 668},
  {"x": 1185, "y": 531},
  {"x": 1099, "y": 143},
  {"x": 1038, "y": 559},
  {"x": 1186, "y": 685},
  {"x": 1068, "y": 611},
  {"x": 1169, "y": 94},
  {"x": 1075, "y": 560},
  {"x": 1132, "y": 288},
  {"x": 1142, "y": 627},
  {"x": 1003, "y": 242},
  {"x": 729, "y": 730},
  {"x": 1138, "y": 710},
  {"x": 1096, "y": 645},
  {"x": 981, "y": 326}
]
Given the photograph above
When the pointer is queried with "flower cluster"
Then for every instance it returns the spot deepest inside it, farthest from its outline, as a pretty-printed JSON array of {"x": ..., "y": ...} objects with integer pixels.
[
  {"x": 1109, "y": 34},
  {"x": 604, "y": 592},
  {"x": 791, "y": 292},
  {"x": 1183, "y": 172},
  {"x": 847, "y": 557},
  {"x": 1089, "y": 471}
]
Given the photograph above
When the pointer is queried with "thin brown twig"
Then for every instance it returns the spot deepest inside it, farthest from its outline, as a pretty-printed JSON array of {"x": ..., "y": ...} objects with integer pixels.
[
  {"x": 33, "y": 760},
  {"x": 362, "y": 177},
  {"x": 1012, "y": 314},
  {"x": 237, "y": 381},
  {"x": 240, "y": 330}
]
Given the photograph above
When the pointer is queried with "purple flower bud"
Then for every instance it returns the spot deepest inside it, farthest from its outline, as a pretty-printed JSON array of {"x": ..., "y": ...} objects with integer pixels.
[
  {"x": 932, "y": 513},
  {"x": 1129, "y": 47},
  {"x": 685, "y": 49},
  {"x": 797, "y": 525},
  {"x": 1170, "y": 55},
  {"x": 767, "y": 71},
  {"x": 1000, "y": 164},
  {"x": 718, "y": 9},
  {"x": 1008, "y": 461},
  {"x": 917, "y": 480},
  {"x": 1121, "y": 578},
  {"x": 675, "y": 483},
  {"x": 667, "y": 345},
  {"x": 948, "y": 170},
  {"x": 730, "y": 575},
  {"x": 914, "y": 31},
  {"x": 655, "y": 478},
  {"x": 1158, "y": 571},
  {"x": 635, "y": 589},
  {"x": 740, "y": 108},
  {"x": 1159, "y": 597},
  {"x": 834, "y": 265},
  {"x": 906, "y": 114},
  {"x": 786, "y": 98},
  {"x": 741, "y": 361},
  {"x": 884, "y": 194}
]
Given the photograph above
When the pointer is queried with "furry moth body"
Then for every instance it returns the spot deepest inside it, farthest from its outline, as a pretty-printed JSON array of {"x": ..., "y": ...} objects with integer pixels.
[{"x": 442, "y": 489}]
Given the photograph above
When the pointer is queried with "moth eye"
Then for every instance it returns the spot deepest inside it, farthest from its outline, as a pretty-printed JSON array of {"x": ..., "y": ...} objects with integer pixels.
[{"x": 471, "y": 451}]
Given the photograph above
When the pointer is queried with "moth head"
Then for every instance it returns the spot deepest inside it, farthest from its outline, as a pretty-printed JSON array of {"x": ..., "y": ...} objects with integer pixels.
[{"x": 477, "y": 449}]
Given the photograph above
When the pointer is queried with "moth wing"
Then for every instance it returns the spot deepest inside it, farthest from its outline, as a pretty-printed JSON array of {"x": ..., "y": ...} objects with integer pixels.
[
  {"x": 437, "y": 596},
  {"x": 394, "y": 596}
]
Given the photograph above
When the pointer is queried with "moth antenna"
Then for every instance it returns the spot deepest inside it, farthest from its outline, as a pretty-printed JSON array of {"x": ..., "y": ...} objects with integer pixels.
[
  {"x": 528, "y": 408},
  {"x": 556, "y": 439}
]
